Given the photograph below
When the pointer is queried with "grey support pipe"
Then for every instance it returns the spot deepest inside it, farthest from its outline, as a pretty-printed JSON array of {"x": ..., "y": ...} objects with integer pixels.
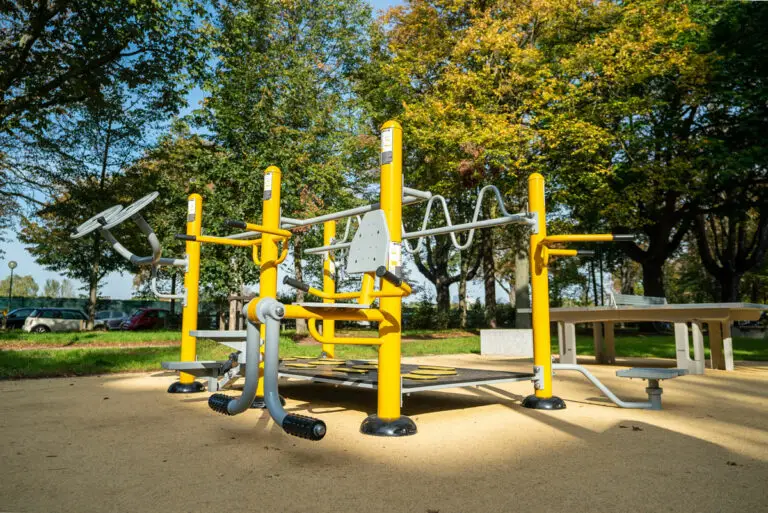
[
  {"x": 270, "y": 312},
  {"x": 647, "y": 405},
  {"x": 228, "y": 405}
]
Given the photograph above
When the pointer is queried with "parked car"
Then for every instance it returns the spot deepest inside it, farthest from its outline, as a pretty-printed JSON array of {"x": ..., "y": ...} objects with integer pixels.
[
  {"x": 109, "y": 319},
  {"x": 15, "y": 319},
  {"x": 149, "y": 319},
  {"x": 43, "y": 320}
]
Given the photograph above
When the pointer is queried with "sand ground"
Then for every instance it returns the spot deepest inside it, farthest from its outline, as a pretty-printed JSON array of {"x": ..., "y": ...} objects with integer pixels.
[{"x": 120, "y": 443}]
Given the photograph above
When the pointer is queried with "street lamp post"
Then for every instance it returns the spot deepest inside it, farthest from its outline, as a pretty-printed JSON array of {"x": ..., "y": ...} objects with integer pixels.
[{"x": 12, "y": 265}]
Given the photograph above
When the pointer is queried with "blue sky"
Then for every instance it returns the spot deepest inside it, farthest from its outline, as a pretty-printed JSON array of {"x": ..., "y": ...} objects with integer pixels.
[{"x": 117, "y": 285}]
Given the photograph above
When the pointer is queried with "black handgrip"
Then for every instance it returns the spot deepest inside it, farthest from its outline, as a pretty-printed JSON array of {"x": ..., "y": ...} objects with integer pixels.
[
  {"x": 304, "y": 427},
  {"x": 628, "y": 237},
  {"x": 392, "y": 278},
  {"x": 181, "y": 236},
  {"x": 234, "y": 223},
  {"x": 296, "y": 284},
  {"x": 219, "y": 402},
  {"x": 585, "y": 252}
]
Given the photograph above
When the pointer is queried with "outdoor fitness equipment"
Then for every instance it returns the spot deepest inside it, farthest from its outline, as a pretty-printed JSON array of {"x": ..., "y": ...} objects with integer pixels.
[
  {"x": 375, "y": 252},
  {"x": 104, "y": 221}
]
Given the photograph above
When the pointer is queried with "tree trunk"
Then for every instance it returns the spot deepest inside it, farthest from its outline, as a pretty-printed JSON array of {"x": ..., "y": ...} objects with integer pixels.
[
  {"x": 729, "y": 285},
  {"x": 463, "y": 292},
  {"x": 653, "y": 278},
  {"x": 298, "y": 238},
  {"x": 489, "y": 278},
  {"x": 173, "y": 292},
  {"x": 522, "y": 289},
  {"x": 594, "y": 281},
  {"x": 443, "y": 291}
]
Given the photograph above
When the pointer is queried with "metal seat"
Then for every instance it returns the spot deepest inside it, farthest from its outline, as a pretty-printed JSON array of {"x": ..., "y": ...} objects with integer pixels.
[{"x": 651, "y": 373}]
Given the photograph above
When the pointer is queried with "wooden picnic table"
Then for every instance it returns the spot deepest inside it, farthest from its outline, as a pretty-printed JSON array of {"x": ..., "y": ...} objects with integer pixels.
[{"x": 717, "y": 316}]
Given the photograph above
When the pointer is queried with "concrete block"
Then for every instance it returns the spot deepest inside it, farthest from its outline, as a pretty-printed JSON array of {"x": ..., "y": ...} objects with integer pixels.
[{"x": 516, "y": 343}]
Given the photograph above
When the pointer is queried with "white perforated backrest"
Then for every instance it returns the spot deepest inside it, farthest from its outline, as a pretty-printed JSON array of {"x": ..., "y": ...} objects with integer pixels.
[{"x": 370, "y": 245}]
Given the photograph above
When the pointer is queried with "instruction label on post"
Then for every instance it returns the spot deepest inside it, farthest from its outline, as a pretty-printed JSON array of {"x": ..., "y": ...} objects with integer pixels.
[
  {"x": 386, "y": 146},
  {"x": 191, "y": 210},
  {"x": 267, "y": 186},
  {"x": 395, "y": 257}
]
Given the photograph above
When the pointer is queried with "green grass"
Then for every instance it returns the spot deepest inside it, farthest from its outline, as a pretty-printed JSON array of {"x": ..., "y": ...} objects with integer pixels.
[
  {"x": 78, "y": 359},
  {"x": 20, "y": 338},
  {"x": 663, "y": 346}
]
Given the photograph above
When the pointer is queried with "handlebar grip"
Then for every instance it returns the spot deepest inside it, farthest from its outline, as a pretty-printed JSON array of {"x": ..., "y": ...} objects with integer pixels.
[
  {"x": 392, "y": 278},
  {"x": 181, "y": 236},
  {"x": 585, "y": 252},
  {"x": 624, "y": 237},
  {"x": 304, "y": 427},
  {"x": 296, "y": 284},
  {"x": 236, "y": 224}
]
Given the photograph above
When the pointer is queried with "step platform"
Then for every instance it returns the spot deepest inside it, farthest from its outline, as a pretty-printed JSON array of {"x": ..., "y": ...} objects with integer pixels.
[{"x": 462, "y": 378}]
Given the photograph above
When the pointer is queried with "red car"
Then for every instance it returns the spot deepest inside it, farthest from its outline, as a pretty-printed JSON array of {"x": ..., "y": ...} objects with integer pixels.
[{"x": 149, "y": 319}]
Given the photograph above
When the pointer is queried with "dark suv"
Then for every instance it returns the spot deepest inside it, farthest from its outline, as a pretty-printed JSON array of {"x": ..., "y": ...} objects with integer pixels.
[
  {"x": 149, "y": 319},
  {"x": 15, "y": 319}
]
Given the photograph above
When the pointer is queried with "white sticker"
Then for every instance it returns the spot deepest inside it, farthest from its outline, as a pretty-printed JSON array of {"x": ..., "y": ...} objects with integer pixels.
[
  {"x": 191, "y": 207},
  {"x": 268, "y": 182},
  {"x": 395, "y": 256},
  {"x": 386, "y": 140}
]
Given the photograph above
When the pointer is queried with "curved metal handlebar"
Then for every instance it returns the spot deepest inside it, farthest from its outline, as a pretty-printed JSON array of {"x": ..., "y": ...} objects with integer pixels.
[
  {"x": 451, "y": 229},
  {"x": 96, "y": 222},
  {"x": 131, "y": 210}
]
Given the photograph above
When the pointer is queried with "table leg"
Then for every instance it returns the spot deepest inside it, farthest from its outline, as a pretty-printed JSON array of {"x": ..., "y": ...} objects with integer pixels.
[
  {"x": 569, "y": 335},
  {"x": 727, "y": 346},
  {"x": 716, "y": 344},
  {"x": 610, "y": 344},
  {"x": 682, "y": 349},
  {"x": 560, "y": 340},
  {"x": 698, "y": 341},
  {"x": 597, "y": 338}
]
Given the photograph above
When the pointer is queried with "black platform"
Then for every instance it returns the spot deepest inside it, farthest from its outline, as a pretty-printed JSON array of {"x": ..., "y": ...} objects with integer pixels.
[{"x": 462, "y": 378}]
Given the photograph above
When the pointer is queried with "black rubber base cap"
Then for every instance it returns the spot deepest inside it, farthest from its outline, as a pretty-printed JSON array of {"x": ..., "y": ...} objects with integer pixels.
[
  {"x": 259, "y": 404},
  {"x": 375, "y": 426},
  {"x": 538, "y": 403},
  {"x": 186, "y": 388}
]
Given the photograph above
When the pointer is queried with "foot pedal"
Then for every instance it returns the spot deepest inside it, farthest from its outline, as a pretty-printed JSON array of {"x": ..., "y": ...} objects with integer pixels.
[
  {"x": 304, "y": 427},
  {"x": 219, "y": 403}
]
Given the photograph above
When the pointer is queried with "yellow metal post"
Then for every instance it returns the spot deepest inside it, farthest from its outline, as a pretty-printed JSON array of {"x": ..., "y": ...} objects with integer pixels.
[
  {"x": 329, "y": 285},
  {"x": 542, "y": 351},
  {"x": 187, "y": 383},
  {"x": 269, "y": 250},
  {"x": 388, "y": 421}
]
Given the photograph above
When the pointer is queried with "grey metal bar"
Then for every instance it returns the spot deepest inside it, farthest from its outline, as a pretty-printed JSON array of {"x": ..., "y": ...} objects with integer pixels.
[
  {"x": 330, "y": 247},
  {"x": 499, "y": 221},
  {"x": 290, "y": 223},
  {"x": 252, "y": 356},
  {"x": 407, "y": 191},
  {"x": 610, "y": 395},
  {"x": 244, "y": 235},
  {"x": 137, "y": 260}
]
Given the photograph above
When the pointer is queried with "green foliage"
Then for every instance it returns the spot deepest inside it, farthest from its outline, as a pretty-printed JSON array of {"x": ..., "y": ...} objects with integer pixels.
[{"x": 23, "y": 286}]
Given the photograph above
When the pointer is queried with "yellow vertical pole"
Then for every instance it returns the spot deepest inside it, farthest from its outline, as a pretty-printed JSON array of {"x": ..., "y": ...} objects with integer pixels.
[
  {"x": 542, "y": 351},
  {"x": 329, "y": 285},
  {"x": 269, "y": 253},
  {"x": 388, "y": 421},
  {"x": 187, "y": 383}
]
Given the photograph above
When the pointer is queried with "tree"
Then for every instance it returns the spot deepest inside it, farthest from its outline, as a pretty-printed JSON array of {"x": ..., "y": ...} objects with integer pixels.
[
  {"x": 66, "y": 290},
  {"x": 74, "y": 154},
  {"x": 23, "y": 286},
  {"x": 280, "y": 95},
  {"x": 51, "y": 288},
  {"x": 55, "y": 56}
]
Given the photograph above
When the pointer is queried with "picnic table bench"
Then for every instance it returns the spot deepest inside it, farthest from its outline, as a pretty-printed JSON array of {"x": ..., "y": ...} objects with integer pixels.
[{"x": 717, "y": 316}]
